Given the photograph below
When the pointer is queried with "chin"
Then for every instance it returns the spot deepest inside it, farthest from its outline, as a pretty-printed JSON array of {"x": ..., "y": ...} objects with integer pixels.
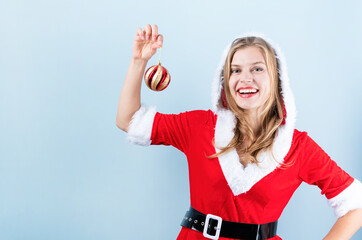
[{"x": 246, "y": 107}]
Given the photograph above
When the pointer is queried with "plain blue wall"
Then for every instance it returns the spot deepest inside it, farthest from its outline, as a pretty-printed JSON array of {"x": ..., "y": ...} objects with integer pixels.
[{"x": 67, "y": 172}]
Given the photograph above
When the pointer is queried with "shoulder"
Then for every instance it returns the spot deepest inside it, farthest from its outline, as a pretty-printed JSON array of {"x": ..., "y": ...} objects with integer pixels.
[
  {"x": 193, "y": 117},
  {"x": 199, "y": 113},
  {"x": 302, "y": 143},
  {"x": 301, "y": 138},
  {"x": 197, "y": 117},
  {"x": 307, "y": 148}
]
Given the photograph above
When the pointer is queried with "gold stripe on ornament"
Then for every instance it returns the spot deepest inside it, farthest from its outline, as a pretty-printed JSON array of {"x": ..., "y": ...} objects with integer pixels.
[
  {"x": 166, "y": 81},
  {"x": 156, "y": 78}
]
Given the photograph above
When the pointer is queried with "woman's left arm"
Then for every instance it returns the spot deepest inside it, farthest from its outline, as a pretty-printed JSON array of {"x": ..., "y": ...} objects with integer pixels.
[{"x": 346, "y": 226}]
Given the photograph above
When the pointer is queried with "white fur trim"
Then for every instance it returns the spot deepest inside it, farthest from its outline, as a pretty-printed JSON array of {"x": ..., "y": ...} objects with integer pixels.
[
  {"x": 349, "y": 199},
  {"x": 241, "y": 179},
  {"x": 140, "y": 128}
]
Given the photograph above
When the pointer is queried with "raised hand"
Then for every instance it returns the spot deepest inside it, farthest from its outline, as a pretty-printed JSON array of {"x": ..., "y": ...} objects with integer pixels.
[
  {"x": 145, "y": 46},
  {"x": 146, "y": 42}
]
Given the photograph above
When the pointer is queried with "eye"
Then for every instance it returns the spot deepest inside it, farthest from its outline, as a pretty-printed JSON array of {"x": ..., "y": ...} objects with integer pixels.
[
  {"x": 258, "y": 69},
  {"x": 235, "y": 70}
]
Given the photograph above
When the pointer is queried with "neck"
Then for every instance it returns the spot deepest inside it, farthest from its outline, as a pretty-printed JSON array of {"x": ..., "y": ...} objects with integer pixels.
[{"x": 254, "y": 120}]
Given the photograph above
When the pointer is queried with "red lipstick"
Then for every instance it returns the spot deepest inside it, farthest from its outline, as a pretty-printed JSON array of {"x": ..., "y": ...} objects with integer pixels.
[{"x": 247, "y": 92}]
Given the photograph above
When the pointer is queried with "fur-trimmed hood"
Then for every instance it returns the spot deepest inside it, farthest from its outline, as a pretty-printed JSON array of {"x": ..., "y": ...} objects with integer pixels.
[
  {"x": 239, "y": 178},
  {"x": 287, "y": 94}
]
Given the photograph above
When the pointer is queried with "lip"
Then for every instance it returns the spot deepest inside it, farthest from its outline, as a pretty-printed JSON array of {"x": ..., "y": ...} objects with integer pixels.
[
  {"x": 247, "y": 95},
  {"x": 241, "y": 88}
]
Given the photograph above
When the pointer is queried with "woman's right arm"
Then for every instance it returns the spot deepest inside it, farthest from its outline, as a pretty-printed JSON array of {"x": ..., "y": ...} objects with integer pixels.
[{"x": 144, "y": 47}]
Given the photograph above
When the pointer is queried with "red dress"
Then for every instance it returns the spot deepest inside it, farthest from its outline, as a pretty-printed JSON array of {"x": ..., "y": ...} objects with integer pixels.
[{"x": 193, "y": 133}]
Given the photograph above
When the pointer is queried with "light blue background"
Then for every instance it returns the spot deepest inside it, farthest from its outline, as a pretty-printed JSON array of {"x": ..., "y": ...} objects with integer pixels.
[{"x": 67, "y": 172}]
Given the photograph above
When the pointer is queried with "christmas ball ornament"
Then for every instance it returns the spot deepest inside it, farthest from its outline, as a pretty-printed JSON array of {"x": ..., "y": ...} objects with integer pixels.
[{"x": 157, "y": 77}]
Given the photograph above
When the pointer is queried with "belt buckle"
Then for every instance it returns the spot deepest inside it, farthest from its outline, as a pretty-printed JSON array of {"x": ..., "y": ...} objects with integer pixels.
[{"x": 218, "y": 227}]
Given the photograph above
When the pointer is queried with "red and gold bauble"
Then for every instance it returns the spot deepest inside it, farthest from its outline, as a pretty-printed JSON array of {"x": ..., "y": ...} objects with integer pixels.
[{"x": 157, "y": 77}]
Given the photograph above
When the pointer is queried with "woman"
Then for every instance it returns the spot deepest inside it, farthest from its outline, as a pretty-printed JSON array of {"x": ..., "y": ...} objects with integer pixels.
[{"x": 245, "y": 157}]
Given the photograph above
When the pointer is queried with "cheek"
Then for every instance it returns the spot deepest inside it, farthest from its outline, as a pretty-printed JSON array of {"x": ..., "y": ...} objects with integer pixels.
[
  {"x": 232, "y": 84},
  {"x": 267, "y": 88},
  {"x": 265, "y": 84}
]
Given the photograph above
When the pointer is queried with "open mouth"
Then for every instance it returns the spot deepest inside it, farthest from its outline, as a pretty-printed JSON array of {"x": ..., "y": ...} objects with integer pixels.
[{"x": 247, "y": 92}]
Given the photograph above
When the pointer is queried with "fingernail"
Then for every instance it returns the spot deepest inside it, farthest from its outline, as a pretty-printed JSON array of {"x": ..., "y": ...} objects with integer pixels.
[{"x": 159, "y": 42}]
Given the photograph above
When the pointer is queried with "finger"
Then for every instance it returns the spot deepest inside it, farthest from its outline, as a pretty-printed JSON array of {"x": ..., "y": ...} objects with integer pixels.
[
  {"x": 154, "y": 32},
  {"x": 160, "y": 40},
  {"x": 148, "y": 31},
  {"x": 140, "y": 34}
]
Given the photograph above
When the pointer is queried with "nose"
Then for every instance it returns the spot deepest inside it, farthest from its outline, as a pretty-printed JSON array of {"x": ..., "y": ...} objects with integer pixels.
[{"x": 246, "y": 77}]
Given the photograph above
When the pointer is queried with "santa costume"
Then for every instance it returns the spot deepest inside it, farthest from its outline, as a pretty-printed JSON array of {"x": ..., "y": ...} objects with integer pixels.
[{"x": 222, "y": 186}]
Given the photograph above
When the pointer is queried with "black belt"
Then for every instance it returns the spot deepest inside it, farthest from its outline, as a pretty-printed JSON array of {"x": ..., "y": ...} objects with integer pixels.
[{"x": 219, "y": 228}]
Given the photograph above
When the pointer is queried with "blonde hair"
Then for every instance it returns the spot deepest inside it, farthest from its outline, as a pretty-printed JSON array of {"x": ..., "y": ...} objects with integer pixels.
[{"x": 272, "y": 114}]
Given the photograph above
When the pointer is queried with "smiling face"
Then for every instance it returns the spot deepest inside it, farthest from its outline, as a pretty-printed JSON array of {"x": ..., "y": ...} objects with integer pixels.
[{"x": 249, "y": 82}]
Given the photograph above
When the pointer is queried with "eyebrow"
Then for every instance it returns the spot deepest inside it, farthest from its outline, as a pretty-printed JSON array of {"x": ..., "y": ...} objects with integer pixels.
[{"x": 250, "y": 64}]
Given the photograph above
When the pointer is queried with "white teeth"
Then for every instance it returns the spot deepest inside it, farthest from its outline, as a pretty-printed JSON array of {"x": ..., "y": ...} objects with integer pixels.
[{"x": 244, "y": 91}]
